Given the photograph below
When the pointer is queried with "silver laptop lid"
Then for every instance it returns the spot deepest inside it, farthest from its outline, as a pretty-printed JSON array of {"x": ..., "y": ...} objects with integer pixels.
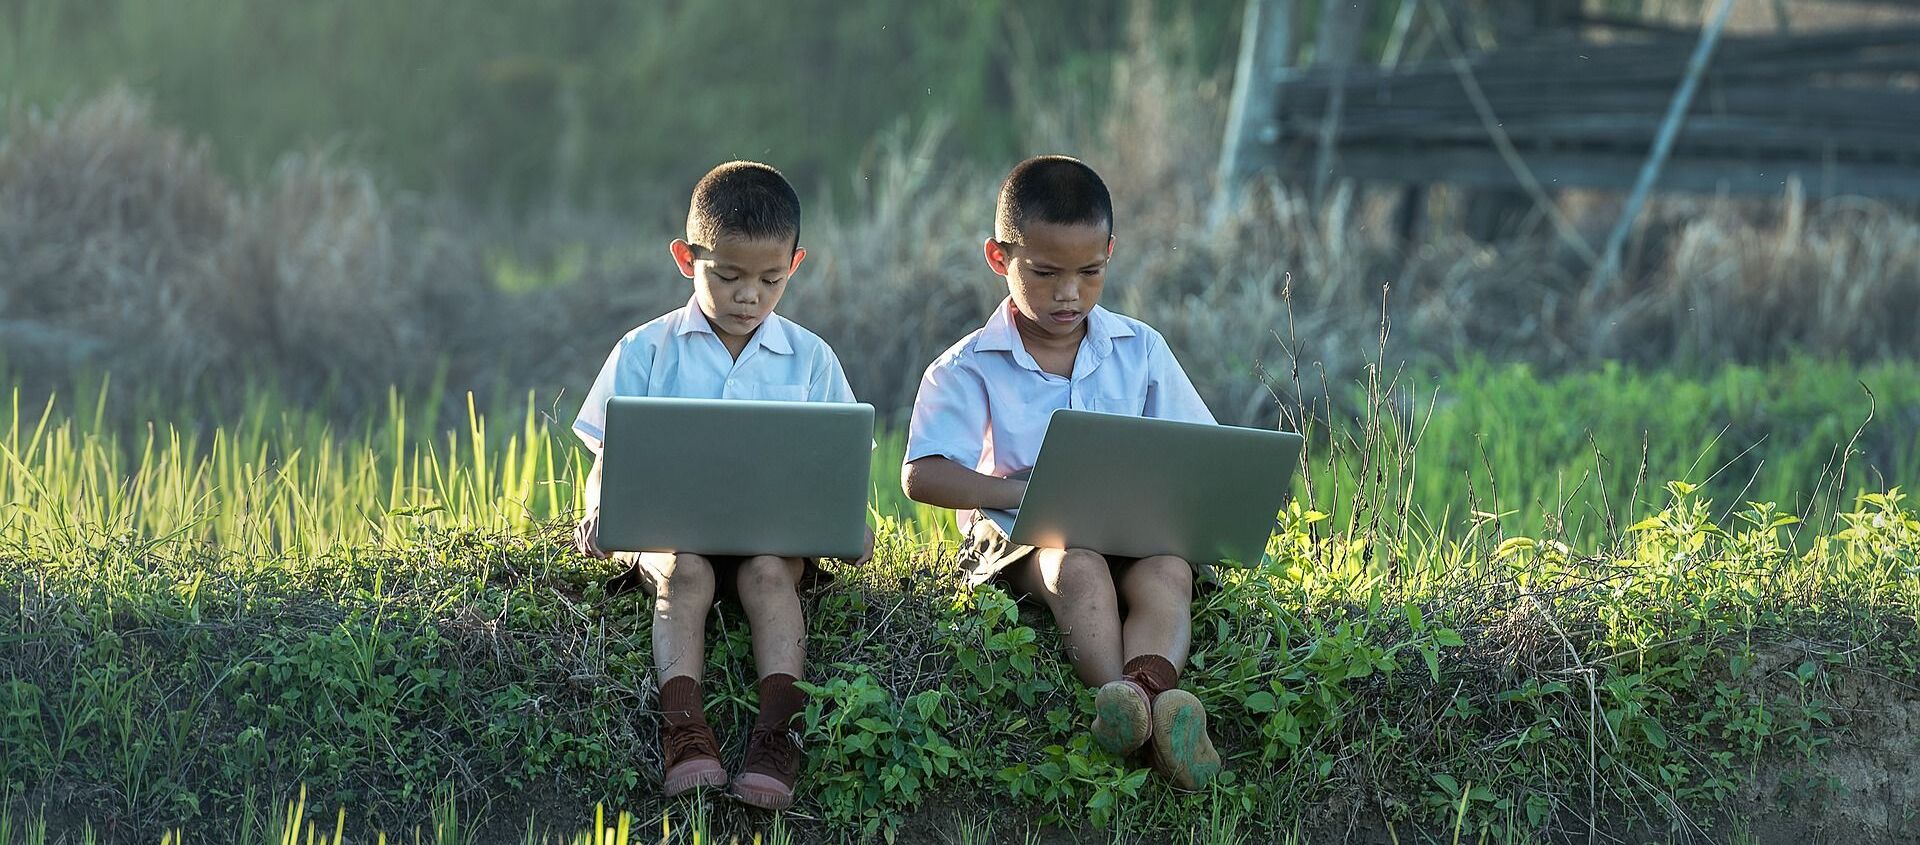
[
  {"x": 1136, "y": 487},
  {"x": 735, "y": 477}
]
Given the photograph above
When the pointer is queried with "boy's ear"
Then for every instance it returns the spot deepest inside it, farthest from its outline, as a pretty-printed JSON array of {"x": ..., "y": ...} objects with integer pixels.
[
  {"x": 997, "y": 256},
  {"x": 683, "y": 256},
  {"x": 799, "y": 255},
  {"x": 1109, "y": 246}
]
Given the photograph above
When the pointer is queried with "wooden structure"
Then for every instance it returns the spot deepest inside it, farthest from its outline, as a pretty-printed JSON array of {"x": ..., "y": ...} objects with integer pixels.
[{"x": 1838, "y": 110}]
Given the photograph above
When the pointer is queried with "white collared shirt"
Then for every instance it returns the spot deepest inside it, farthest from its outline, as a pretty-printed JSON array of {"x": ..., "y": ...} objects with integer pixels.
[
  {"x": 678, "y": 354},
  {"x": 984, "y": 403}
]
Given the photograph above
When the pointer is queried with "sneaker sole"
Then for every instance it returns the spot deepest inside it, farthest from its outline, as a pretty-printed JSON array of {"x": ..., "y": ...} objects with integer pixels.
[
  {"x": 694, "y": 774},
  {"x": 764, "y": 791},
  {"x": 1122, "y": 720},
  {"x": 1180, "y": 742}
]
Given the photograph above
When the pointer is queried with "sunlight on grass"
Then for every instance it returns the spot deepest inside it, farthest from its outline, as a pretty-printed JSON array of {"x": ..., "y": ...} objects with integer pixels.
[{"x": 275, "y": 601}]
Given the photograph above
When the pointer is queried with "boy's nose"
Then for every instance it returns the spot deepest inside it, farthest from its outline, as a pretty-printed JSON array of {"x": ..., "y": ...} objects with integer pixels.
[{"x": 1067, "y": 291}]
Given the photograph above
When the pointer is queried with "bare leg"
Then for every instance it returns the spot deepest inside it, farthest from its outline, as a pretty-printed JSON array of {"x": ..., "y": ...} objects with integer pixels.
[
  {"x": 683, "y": 593},
  {"x": 769, "y": 591},
  {"x": 1078, "y": 587},
  {"x": 1159, "y": 629},
  {"x": 1159, "y": 594},
  {"x": 682, "y": 588}
]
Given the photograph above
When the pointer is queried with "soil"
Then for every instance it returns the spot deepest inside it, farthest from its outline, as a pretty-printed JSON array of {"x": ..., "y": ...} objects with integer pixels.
[{"x": 1864, "y": 787}]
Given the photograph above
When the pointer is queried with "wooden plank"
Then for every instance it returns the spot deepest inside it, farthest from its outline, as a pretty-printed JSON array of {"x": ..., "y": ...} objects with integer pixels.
[
  {"x": 1769, "y": 56},
  {"x": 1602, "y": 72},
  {"x": 1485, "y": 169},
  {"x": 1838, "y": 108},
  {"x": 1636, "y": 132},
  {"x": 1584, "y": 92}
]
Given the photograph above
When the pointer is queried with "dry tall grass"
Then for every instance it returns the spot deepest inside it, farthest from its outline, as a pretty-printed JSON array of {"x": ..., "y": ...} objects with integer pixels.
[
  {"x": 122, "y": 248},
  {"x": 125, "y": 250},
  {"x": 111, "y": 228}
]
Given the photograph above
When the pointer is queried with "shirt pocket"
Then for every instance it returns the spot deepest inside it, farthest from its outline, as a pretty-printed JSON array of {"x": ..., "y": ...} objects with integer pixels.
[
  {"x": 772, "y": 392},
  {"x": 1132, "y": 406}
]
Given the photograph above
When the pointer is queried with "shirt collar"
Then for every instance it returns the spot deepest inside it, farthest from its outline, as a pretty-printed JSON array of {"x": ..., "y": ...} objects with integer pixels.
[
  {"x": 1000, "y": 333},
  {"x": 771, "y": 336}
]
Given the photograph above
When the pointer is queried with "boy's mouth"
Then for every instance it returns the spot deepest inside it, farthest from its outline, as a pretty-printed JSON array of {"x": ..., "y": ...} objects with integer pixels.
[{"x": 1064, "y": 316}]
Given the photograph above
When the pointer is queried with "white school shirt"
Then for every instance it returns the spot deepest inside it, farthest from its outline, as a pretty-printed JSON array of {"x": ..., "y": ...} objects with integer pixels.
[
  {"x": 679, "y": 355},
  {"x": 985, "y": 402}
]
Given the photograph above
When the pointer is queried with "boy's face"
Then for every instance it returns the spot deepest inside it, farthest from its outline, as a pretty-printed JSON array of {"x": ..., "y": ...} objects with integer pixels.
[
  {"x": 739, "y": 280},
  {"x": 1055, "y": 273}
]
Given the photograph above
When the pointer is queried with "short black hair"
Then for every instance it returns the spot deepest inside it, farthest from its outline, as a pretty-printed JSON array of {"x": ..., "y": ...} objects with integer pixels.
[
  {"x": 1050, "y": 189},
  {"x": 746, "y": 199}
]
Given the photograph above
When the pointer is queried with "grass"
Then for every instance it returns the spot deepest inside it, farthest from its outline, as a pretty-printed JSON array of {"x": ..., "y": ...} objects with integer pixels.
[
  {"x": 291, "y": 824},
  {"x": 279, "y": 478},
  {"x": 389, "y": 616},
  {"x": 1574, "y": 457},
  {"x": 1577, "y": 456}
]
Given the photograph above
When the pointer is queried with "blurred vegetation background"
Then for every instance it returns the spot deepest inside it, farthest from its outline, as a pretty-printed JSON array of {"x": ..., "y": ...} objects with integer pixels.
[
  {"x": 586, "y": 103},
  {"x": 341, "y": 196}
]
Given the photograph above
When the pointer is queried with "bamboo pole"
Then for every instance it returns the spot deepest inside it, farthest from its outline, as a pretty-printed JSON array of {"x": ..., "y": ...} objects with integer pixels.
[
  {"x": 1523, "y": 174},
  {"x": 1253, "y": 111},
  {"x": 1341, "y": 25},
  {"x": 1397, "y": 38},
  {"x": 1609, "y": 267}
]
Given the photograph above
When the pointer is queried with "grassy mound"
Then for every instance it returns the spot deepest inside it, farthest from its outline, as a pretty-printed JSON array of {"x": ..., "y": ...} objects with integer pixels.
[
  {"x": 200, "y": 626},
  {"x": 1519, "y": 686}
]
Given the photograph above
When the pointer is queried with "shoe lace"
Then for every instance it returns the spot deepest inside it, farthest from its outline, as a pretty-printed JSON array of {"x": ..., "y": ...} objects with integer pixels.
[
  {"x": 772, "y": 749},
  {"x": 690, "y": 741}
]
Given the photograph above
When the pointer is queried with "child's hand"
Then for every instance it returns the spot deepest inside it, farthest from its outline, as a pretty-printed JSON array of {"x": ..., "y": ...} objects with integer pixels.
[{"x": 586, "y": 536}]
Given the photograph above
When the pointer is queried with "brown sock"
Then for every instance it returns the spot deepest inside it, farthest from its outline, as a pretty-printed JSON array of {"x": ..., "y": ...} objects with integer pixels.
[
  {"x": 1152, "y": 672},
  {"x": 680, "y": 702},
  {"x": 780, "y": 701}
]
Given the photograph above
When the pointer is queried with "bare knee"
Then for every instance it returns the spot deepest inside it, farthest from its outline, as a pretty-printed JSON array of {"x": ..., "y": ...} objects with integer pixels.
[
  {"x": 686, "y": 578},
  {"x": 1156, "y": 580},
  {"x": 1079, "y": 574},
  {"x": 767, "y": 575}
]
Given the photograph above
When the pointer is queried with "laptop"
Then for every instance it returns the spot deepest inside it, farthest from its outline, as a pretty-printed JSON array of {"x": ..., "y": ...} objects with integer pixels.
[
  {"x": 1136, "y": 487},
  {"x": 735, "y": 477}
]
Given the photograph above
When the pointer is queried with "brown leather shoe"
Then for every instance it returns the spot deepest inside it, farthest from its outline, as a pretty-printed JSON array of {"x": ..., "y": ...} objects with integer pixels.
[
  {"x": 692, "y": 758},
  {"x": 772, "y": 766}
]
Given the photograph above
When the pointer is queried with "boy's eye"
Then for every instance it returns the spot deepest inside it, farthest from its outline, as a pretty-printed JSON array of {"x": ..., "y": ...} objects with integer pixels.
[
  {"x": 726, "y": 278},
  {"x": 771, "y": 282},
  {"x": 1044, "y": 274}
]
